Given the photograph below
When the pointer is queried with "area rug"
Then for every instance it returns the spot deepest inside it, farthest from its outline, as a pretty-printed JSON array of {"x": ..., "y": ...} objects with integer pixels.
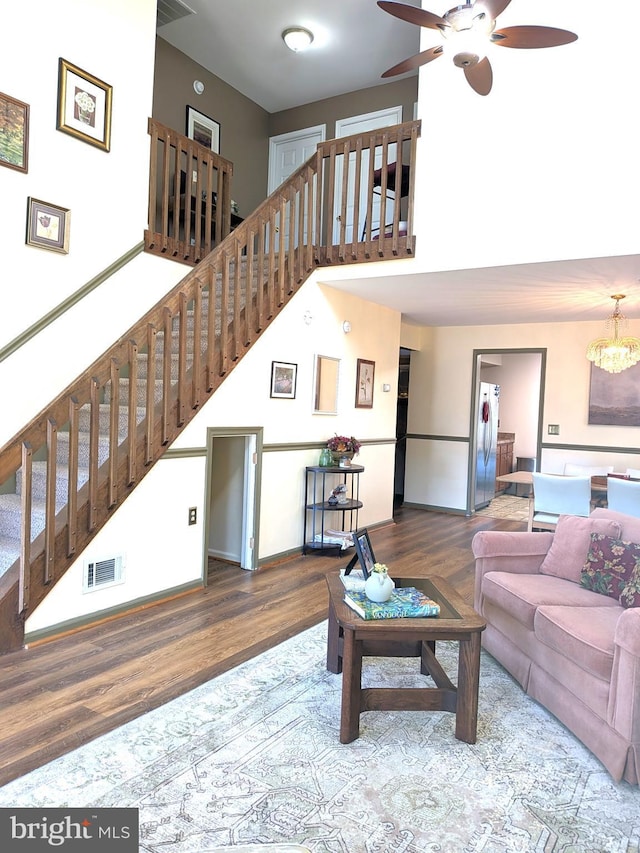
[
  {"x": 254, "y": 756},
  {"x": 510, "y": 507}
]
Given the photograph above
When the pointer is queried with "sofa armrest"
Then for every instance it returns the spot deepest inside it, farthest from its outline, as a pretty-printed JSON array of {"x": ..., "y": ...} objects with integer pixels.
[
  {"x": 624, "y": 696},
  {"x": 503, "y": 551}
]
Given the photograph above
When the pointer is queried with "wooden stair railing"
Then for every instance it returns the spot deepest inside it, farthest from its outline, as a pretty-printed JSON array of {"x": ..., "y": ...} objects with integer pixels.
[{"x": 77, "y": 461}]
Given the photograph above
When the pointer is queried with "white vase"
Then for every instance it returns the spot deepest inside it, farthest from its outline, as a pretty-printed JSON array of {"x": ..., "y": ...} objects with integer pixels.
[{"x": 378, "y": 587}]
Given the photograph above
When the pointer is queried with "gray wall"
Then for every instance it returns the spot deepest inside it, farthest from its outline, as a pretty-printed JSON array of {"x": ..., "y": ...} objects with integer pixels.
[
  {"x": 245, "y": 127},
  {"x": 327, "y": 112}
]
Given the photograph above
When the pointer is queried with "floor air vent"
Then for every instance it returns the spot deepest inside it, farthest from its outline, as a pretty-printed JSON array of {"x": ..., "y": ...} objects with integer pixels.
[
  {"x": 169, "y": 11},
  {"x": 101, "y": 573}
]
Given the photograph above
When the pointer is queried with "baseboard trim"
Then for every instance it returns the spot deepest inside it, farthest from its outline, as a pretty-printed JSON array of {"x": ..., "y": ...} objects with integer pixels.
[{"x": 72, "y": 626}]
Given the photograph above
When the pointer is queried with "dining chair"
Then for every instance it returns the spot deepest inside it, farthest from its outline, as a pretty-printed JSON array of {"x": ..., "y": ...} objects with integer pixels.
[
  {"x": 571, "y": 470},
  {"x": 623, "y": 496},
  {"x": 555, "y": 495}
]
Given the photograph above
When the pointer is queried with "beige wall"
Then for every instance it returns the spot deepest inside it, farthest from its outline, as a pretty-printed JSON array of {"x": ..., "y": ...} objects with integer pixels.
[{"x": 440, "y": 395}]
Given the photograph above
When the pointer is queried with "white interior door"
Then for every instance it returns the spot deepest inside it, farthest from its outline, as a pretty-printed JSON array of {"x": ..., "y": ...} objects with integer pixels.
[
  {"x": 287, "y": 152},
  {"x": 346, "y": 127}
]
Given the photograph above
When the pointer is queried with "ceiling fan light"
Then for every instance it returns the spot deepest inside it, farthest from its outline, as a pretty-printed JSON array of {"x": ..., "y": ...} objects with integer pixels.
[
  {"x": 615, "y": 354},
  {"x": 297, "y": 38}
]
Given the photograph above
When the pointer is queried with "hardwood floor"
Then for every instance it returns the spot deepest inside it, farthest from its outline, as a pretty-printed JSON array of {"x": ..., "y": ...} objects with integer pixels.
[{"x": 61, "y": 694}]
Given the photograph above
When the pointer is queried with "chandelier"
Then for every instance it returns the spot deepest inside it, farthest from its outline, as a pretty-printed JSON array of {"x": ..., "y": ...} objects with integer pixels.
[{"x": 615, "y": 354}]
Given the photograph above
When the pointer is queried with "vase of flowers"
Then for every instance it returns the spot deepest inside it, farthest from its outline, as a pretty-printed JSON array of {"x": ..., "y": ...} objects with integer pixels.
[
  {"x": 343, "y": 447},
  {"x": 379, "y": 586}
]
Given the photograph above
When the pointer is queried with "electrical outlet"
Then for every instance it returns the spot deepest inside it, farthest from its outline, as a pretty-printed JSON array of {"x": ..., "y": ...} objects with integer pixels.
[
  {"x": 554, "y": 429},
  {"x": 193, "y": 515}
]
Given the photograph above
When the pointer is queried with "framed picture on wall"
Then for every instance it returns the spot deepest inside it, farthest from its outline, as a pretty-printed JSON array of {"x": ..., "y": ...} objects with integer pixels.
[
  {"x": 84, "y": 105},
  {"x": 14, "y": 133},
  {"x": 48, "y": 226},
  {"x": 613, "y": 397},
  {"x": 283, "y": 379},
  {"x": 203, "y": 130},
  {"x": 365, "y": 372}
]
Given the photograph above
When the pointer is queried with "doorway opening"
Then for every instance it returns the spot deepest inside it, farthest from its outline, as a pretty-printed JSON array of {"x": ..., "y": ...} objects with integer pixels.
[
  {"x": 515, "y": 413},
  {"x": 233, "y": 484},
  {"x": 404, "y": 367}
]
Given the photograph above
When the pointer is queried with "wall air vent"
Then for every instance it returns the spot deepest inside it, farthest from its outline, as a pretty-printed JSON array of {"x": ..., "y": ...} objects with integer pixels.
[
  {"x": 101, "y": 573},
  {"x": 169, "y": 11}
]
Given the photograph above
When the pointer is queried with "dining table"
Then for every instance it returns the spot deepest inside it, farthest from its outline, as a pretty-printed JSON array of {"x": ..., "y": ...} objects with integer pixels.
[{"x": 598, "y": 483}]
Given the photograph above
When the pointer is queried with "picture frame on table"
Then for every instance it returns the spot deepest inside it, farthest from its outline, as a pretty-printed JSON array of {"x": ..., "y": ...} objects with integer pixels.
[
  {"x": 364, "y": 552},
  {"x": 48, "y": 226},
  {"x": 365, "y": 373},
  {"x": 84, "y": 105},
  {"x": 203, "y": 130},
  {"x": 14, "y": 133},
  {"x": 283, "y": 379}
]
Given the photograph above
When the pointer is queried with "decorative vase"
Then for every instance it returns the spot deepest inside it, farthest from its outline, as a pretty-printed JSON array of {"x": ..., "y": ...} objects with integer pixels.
[
  {"x": 326, "y": 458},
  {"x": 378, "y": 587},
  {"x": 337, "y": 455}
]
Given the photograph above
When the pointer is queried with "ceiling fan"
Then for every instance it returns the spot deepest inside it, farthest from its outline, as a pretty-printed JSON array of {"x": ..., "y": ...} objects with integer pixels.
[{"x": 468, "y": 30}]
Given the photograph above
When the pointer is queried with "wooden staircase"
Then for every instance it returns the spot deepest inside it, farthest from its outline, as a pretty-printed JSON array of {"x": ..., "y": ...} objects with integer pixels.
[{"x": 76, "y": 462}]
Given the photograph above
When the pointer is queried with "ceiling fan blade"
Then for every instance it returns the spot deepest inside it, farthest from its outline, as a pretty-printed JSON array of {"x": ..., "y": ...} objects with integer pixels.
[
  {"x": 480, "y": 76},
  {"x": 414, "y": 16},
  {"x": 414, "y": 62},
  {"x": 529, "y": 37},
  {"x": 492, "y": 7}
]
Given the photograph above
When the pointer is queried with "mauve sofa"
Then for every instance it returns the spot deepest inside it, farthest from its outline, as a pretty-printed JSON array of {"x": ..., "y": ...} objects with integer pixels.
[{"x": 575, "y": 651}]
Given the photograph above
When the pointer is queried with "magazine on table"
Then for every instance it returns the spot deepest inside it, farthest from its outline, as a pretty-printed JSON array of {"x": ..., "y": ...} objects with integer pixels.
[{"x": 406, "y": 602}]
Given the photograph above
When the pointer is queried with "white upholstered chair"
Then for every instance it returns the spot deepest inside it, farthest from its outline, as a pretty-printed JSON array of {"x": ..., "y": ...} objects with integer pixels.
[
  {"x": 571, "y": 470},
  {"x": 623, "y": 496},
  {"x": 555, "y": 495}
]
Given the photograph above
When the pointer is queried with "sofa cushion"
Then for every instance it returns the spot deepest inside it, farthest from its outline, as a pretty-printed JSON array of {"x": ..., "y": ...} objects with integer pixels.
[
  {"x": 520, "y": 595},
  {"x": 571, "y": 542},
  {"x": 612, "y": 568},
  {"x": 630, "y": 525},
  {"x": 584, "y": 635}
]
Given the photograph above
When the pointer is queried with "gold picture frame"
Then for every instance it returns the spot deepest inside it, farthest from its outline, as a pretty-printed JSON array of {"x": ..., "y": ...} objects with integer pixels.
[
  {"x": 48, "y": 226},
  {"x": 84, "y": 105},
  {"x": 14, "y": 133}
]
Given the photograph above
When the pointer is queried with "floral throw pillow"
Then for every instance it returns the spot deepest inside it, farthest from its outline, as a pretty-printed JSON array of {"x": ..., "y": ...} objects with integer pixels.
[{"x": 612, "y": 568}]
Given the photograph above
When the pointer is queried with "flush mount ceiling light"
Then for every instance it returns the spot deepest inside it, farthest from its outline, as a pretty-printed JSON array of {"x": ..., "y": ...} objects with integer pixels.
[
  {"x": 615, "y": 354},
  {"x": 297, "y": 38}
]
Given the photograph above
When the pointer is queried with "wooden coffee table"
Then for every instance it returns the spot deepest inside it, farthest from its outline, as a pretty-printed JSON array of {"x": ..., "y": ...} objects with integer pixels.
[{"x": 351, "y": 638}]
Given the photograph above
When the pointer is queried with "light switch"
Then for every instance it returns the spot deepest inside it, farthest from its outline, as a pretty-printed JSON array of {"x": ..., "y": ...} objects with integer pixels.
[{"x": 554, "y": 429}]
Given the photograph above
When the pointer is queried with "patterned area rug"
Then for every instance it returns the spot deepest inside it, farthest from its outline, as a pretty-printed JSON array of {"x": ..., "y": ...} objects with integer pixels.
[
  {"x": 511, "y": 507},
  {"x": 254, "y": 756}
]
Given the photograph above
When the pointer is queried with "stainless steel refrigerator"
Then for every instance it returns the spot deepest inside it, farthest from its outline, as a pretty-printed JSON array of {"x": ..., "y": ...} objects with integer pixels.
[{"x": 486, "y": 443}]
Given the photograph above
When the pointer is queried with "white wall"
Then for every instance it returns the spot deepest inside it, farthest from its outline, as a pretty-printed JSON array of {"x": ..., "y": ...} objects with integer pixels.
[{"x": 543, "y": 168}]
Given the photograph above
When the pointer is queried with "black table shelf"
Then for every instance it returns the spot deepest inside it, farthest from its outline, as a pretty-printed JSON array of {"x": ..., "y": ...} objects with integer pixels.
[{"x": 319, "y": 482}]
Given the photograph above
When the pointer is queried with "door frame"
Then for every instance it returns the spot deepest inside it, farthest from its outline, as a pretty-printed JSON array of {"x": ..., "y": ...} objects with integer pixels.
[
  {"x": 252, "y": 488},
  {"x": 474, "y": 409}
]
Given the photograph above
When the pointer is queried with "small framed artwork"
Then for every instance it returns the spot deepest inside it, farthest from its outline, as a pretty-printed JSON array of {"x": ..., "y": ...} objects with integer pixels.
[
  {"x": 283, "y": 379},
  {"x": 204, "y": 130},
  {"x": 364, "y": 551},
  {"x": 84, "y": 105},
  {"x": 48, "y": 226},
  {"x": 14, "y": 133},
  {"x": 365, "y": 371}
]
